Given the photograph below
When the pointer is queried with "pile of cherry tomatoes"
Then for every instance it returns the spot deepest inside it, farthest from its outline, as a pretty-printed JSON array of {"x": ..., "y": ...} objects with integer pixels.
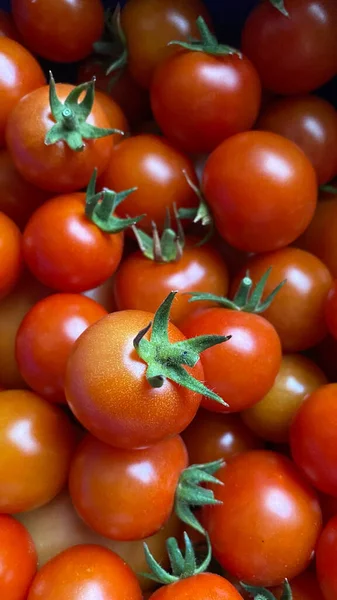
[{"x": 168, "y": 302}]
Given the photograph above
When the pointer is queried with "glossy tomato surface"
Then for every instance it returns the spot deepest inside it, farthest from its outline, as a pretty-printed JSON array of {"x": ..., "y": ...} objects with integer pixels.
[
  {"x": 18, "y": 559},
  {"x": 205, "y": 586}
]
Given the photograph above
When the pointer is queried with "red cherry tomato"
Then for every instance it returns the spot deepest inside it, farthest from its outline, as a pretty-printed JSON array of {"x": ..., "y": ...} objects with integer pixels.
[
  {"x": 297, "y": 312},
  {"x": 10, "y": 255},
  {"x": 71, "y": 28},
  {"x": 275, "y": 200},
  {"x": 303, "y": 587},
  {"x": 20, "y": 73},
  {"x": 54, "y": 168},
  {"x": 84, "y": 570},
  {"x": 326, "y": 560},
  {"x": 157, "y": 171},
  {"x": 320, "y": 237},
  {"x": 311, "y": 123},
  {"x": 46, "y": 337},
  {"x": 294, "y": 54},
  {"x": 18, "y": 559},
  {"x": 200, "y": 587},
  {"x": 268, "y": 523}
]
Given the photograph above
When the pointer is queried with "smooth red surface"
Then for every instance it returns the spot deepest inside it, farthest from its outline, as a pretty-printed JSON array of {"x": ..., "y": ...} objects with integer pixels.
[
  {"x": 326, "y": 560},
  {"x": 320, "y": 236},
  {"x": 206, "y": 586},
  {"x": 18, "y": 559}
]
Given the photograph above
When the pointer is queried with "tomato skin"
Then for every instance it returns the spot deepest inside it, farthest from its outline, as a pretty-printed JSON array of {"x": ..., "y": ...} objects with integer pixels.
[
  {"x": 20, "y": 73},
  {"x": 204, "y": 586},
  {"x": 112, "y": 494},
  {"x": 76, "y": 572},
  {"x": 70, "y": 27},
  {"x": 311, "y": 123},
  {"x": 297, "y": 312},
  {"x": 18, "y": 559},
  {"x": 45, "y": 339},
  {"x": 116, "y": 117},
  {"x": 319, "y": 238},
  {"x": 326, "y": 560},
  {"x": 143, "y": 284},
  {"x": 54, "y": 168},
  {"x": 211, "y": 436},
  {"x": 242, "y": 369},
  {"x": 199, "y": 100},
  {"x": 293, "y": 55},
  {"x": 59, "y": 239},
  {"x": 268, "y": 523},
  {"x": 10, "y": 255},
  {"x": 37, "y": 440},
  {"x": 273, "y": 203},
  {"x": 303, "y": 587},
  {"x": 157, "y": 171},
  {"x": 271, "y": 417}
]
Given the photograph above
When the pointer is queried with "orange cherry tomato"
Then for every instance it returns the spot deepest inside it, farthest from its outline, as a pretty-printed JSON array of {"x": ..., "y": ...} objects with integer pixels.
[{"x": 18, "y": 560}]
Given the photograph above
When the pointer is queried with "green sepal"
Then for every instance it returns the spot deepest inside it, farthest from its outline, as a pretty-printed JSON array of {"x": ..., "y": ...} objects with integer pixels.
[
  {"x": 200, "y": 214},
  {"x": 182, "y": 565},
  {"x": 330, "y": 189},
  {"x": 259, "y": 593},
  {"x": 279, "y": 5},
  {"x": 100, "y": 207},
  {"x": 190, "y": 493},
  {"x": 71, "y": 115},
  {"x": 165, "y": 248},
  {"x": 247, "y": 298},
  {"x": 165, "y": 360},
  {"x": 113, "y": 42},
  {"x": 207, "y": 43}
]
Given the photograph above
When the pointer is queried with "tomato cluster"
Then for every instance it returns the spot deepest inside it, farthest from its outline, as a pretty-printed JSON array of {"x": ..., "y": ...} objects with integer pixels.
[{"x": 168, "y": 301}]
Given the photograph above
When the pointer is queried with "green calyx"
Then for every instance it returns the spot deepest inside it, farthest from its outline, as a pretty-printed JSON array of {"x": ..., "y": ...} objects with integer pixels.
[
  {"x": 166, "y": 360},
  {"x": 279, "y": 5},
  {"x": 247, "y": 298},
  {"x": 182, "y": 565},
  {"x": 165, "y": 248},
  {"x": 190, "y": 493},
  {"x": 71, "y": 117},
  {"x": 100, "y": 208},
  {"x": 113, "y": 42},
  {"x": 330, "y": 189},
  {"x": 207, "y": 43},
  {"x": 259, "y": 593},
  {"x": 201, "y": 214}
]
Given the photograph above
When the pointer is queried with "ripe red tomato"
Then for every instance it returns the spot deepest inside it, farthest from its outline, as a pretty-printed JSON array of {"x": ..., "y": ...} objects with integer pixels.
[
  {"x": 107, "y": 390},
  {"x": 116, "y": 117},
  {"x": 56, "y": 167},
  {"x": 166, "y": 20},
  {"x": 65, "y": 250},
  {"x": 211, "y": 436},
  {"x": 271, "y": 417},
  {"x": 311, "y": 123},
  {"x": 297, "y": 312},
  {"x": 157, "y": 171},
  {"x": 18, "y": 559},
  {"x": 331, "y": 310},
  {"x": 198, "y": 100},
  {"x": 320, "y": 236},
  {"x": 126, "y": 494},
  {"x": 10, "y": 255},
  {"x": 7, "y": 26},
  {"x": 243, "y": 369},
  {"x": 313, "y": 438},
  {"x": 204, "y": 586},
  {"x": 326, "y": 560},
  {"x": 275, "y": 200},
  {"x": 20, "y": 73},
  {"x": 61, "y": 31},
  {"x": 294, "y": 54},
  {"x": 267, "y": 526},
  {"x": 45, "y": 339},
  {"x": 84, "y": 570},
  {"x": 303, "y": 587},
  {"x": 37, "y": 440}
]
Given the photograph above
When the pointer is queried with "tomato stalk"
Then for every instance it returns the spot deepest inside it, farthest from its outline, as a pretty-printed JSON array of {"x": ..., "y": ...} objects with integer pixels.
[
  {"x": 165, "y": 248},
  {"x": 259, "y": 593},
  {"x": 207, "y": 44},
  {"x": 201, "y": 214},
  {"x": 279, "y": 4},
  {"x": 118, "y": 45}
]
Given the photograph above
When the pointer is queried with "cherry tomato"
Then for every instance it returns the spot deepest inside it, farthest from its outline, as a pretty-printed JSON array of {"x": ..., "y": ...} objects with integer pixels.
[
  {"x": 275, "y": 200},
  {"x": 10, "y": 255},
  {"x": 303, "y": 587},
  {"x": 297, "y": 312},
  {"x": 37, "y": 440},
  {"x": 271, "y": 417},
  {"x": 243, "y": 369},
  {"x": 313, "y": 438},
  {"x": 18, "y": 559},
  {"x": 294, "y": 54},
  {"x": 7, "y": 26},
  {"x": 83, "y": 570},
  {"x": 211, "y": 436},
  {"x": 326, "y": 560},
  {"x": 204, "y": 586},
  {"x": 70, "y": 28},
  {"x": 54, "y": 168},
  {"x": 157, "y": 171},
  {"x": 45, "y": 339},
  {"x": 116, "y": 117},
  {"x": 20, "y": 73},
  {"x": 198, "y": 100},
  {"x": 166, "y": 20},
  {"x": 311, "y": 123},
  {"x": 268, "y": 523},
  {"x": 320, "y": 237},
  {"x": 107, "y": 390},
  {"x": 65, "y": 250}
]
